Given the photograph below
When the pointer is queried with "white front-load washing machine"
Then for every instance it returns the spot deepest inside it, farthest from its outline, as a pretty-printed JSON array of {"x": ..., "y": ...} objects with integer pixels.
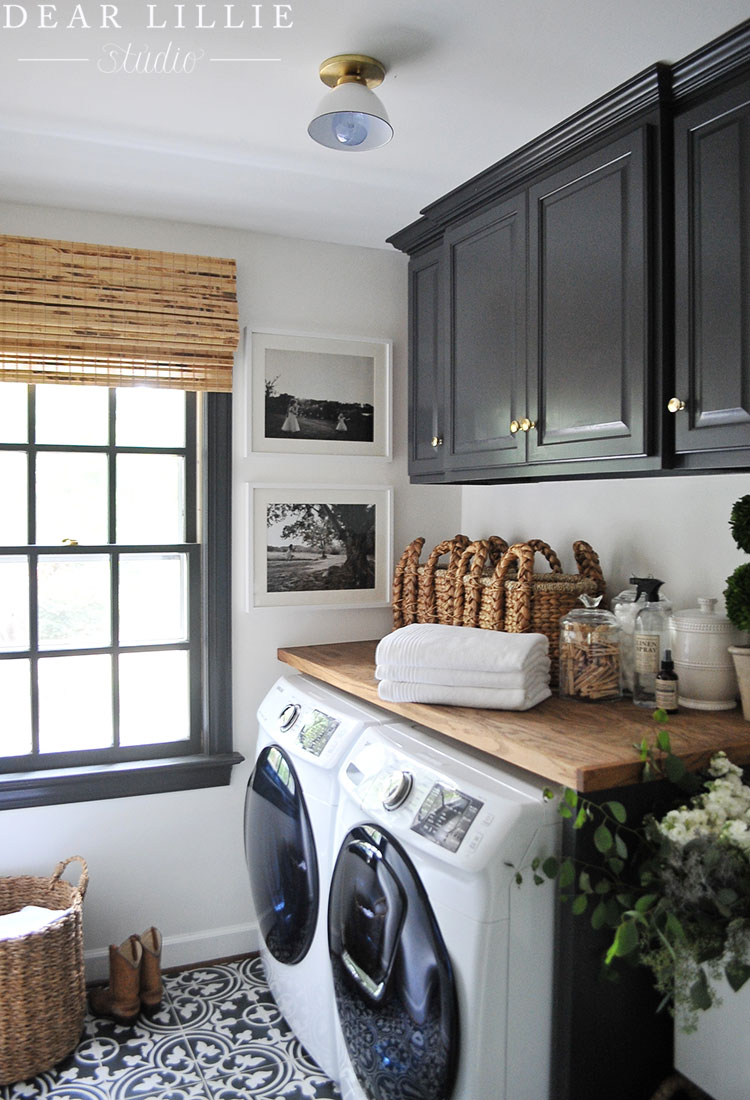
[
  {"x": 442, "y": 963},
  {"x": 304, "y": 731}
]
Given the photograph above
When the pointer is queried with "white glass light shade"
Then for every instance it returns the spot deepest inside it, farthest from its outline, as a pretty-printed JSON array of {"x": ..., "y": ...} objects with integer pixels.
[{"x": 351, "y": 117}]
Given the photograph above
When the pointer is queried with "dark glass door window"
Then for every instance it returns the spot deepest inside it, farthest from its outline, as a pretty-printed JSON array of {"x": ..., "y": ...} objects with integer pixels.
[
  {"x": 393, "y": 978},
  {"x": 281, "y": 859}
]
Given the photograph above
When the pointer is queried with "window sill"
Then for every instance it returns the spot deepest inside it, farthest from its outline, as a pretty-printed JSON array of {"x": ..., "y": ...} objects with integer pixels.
[{"x": 180, "y": 773}]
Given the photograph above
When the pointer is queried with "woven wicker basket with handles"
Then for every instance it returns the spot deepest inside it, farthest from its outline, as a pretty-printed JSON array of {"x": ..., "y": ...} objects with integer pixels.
[
  {"x": 42, "y": 983},
  {"x": 488, "y": 584}
]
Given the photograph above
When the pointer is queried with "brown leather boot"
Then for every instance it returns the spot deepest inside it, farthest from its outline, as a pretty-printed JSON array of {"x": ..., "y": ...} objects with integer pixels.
[
  {"x": 151, "y": 989},
  {"x": 121, "y": 999}
]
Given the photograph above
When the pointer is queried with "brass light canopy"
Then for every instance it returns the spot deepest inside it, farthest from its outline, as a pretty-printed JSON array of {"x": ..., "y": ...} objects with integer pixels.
[
  {"x": 348, "y": 67},
  {"x": 351, "y": 117}
]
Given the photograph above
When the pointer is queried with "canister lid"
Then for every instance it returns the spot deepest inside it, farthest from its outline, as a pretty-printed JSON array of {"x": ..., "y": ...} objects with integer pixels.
[{"x": 703, "y": 618}]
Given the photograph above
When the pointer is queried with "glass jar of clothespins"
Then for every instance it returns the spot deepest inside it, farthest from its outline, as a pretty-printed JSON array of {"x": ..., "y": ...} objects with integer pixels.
[{"x": 590, "y": 665}]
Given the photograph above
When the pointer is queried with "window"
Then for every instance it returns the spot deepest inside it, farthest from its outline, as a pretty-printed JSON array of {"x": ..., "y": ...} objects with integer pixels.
[{"x": 115, "y": 598}]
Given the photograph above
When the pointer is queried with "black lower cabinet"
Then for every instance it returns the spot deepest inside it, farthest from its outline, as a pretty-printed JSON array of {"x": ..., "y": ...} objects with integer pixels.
[{"x": 609, "y": 1041}]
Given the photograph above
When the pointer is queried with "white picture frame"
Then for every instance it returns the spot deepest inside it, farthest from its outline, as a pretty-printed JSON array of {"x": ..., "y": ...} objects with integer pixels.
[
  {"x": 300, "y": 545},
  {"x": 319, "y": 395}
]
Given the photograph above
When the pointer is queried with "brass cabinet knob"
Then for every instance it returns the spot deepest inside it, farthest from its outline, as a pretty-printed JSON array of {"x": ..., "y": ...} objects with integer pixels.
[
  {"x": 436, "y": 441},
  {"x": 675, "y": 405},
  {"x": 524, "y": 425}
]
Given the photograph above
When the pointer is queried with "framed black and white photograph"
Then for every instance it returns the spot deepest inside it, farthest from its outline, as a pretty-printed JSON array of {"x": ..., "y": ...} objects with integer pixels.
[
  {"x": 321, "y": 545},
  {"x": 320, "y": 395}
]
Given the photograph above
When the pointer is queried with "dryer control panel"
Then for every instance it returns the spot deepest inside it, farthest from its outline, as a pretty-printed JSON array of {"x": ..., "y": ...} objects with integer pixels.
[{"x": 312, "y": 722}]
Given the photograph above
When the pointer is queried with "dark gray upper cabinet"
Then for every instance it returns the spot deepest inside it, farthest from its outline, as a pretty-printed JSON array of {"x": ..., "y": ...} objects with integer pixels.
[
  {"x": 484, "y": 336},
  {"x": 562, "y": 298},
  {"x": 589, "y": 309},
  {"x": 426, "y": 417},
  {"x": 712, "y": 282}
]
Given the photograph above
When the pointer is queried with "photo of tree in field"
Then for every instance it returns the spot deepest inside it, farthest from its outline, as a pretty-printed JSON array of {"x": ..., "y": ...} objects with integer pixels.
[
  {"x": 319, "y": 395},
  {"x": 318, "y": 546}
]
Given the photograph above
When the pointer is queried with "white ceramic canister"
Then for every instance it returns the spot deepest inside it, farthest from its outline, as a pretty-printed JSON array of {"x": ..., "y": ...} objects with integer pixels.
[{"x": 700, "y": 649}]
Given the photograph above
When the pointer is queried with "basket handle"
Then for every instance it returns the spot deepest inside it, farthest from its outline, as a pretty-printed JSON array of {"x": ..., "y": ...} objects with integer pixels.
[
  {"x": 521, "y": 555},
  {"x": 589, "y": 566},
  {"x": 454, "y": 547},
  {"x": 82, "y": 882},
  {"x": 497, "y": 547},
  {"x": 405, "y": 585},
  {"x": 544, "y": 548},
  {"x": 466, "y": 610}
]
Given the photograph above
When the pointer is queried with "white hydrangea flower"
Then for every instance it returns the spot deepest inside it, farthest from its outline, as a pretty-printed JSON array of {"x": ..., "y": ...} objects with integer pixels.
[
  {"x": 737, "y": 833},
  {"x": 721, "y": 765}
]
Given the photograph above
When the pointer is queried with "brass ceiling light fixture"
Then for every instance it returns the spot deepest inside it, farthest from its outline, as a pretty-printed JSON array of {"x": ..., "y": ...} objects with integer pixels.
[{"x": 351, "y": 117}]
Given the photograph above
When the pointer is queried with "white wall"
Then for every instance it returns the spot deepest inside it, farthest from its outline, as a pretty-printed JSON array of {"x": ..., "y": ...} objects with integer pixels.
[
  {"x": 676, "y": 528},
  {"x": 176, "y": 860}
]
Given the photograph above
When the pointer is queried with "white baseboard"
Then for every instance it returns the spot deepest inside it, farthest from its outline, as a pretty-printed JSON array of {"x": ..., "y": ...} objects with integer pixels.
[{"x": 189, "y": 949}]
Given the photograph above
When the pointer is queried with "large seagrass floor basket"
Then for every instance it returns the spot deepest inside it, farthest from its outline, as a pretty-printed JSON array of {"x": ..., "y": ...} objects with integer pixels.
[{"x": 42, "y": 984}]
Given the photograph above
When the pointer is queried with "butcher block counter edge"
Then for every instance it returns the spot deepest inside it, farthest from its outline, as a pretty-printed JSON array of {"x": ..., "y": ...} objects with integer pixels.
[{"x": 590, "y": 747}]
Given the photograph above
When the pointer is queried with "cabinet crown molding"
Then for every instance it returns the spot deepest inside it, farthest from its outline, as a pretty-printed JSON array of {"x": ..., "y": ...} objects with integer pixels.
[{"x": 722, "y": 59}]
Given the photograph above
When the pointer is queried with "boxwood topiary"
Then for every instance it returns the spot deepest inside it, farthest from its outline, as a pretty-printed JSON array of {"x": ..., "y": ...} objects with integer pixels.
[
  {"x": 739, "y": 521},
  {"x": 737, "y": 596}
]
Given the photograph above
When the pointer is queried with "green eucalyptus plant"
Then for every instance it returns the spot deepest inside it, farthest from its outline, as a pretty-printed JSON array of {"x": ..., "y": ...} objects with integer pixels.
[
  {"x": 737, "y": 592},
  {"x": 674, "y": 891}
]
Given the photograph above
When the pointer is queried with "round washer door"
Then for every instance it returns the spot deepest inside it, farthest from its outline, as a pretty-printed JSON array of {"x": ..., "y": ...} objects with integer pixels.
[
  {"x": 280, "y": 855},
  {"x": 393, "y": 979}
]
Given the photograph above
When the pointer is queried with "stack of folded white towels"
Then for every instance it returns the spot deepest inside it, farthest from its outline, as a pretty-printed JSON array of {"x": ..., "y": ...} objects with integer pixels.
[{"x": 463, "y": 666}]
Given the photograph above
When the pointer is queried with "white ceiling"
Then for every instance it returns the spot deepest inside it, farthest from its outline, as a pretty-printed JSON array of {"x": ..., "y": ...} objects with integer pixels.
[{"x": 468, "y": 81}]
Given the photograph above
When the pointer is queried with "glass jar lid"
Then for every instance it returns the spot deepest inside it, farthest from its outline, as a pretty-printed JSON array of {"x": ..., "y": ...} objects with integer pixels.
[{"x": 591, "y": 612}]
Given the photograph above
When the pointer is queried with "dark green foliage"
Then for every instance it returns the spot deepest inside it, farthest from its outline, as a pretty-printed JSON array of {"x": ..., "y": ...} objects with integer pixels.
[
  {"x": 737, "y": 596},
  {"x": 682, "y": 908},
  {"x": 739, "y": 521}
]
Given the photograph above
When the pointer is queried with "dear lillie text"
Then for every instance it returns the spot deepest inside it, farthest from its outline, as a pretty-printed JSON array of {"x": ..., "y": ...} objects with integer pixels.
[{"x": 134, "y": 57}]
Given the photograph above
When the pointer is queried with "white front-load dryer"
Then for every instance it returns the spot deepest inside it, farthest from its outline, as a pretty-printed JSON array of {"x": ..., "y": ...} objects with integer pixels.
[
  {"x": 442, "y": 963},
  {"x": 304, "y": 731}
]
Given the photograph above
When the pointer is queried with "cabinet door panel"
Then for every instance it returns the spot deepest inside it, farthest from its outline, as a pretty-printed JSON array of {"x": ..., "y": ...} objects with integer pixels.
[
  {"x": 712, "y": 225},
  {"x": 486, "y": 340},
  {"x": 425, "y": 384},
  {"x": 588, "y": 325}
]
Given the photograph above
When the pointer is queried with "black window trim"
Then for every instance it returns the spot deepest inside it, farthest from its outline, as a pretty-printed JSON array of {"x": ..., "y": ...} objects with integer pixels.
[{"x": 212, "y": 766}]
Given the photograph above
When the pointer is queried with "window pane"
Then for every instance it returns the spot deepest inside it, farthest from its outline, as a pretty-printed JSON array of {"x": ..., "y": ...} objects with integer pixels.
[
  {"x": 74, "y": 602},
  {"x": 150, "y": 498},
  {"x": 14, "y": 605},
  {"x": 76, "y": 415},
  {"x": 149, "y": 418},
  {"x": 13, "y": 498},
  {"x": 154, "y": 697},
  {"x": 15, "y": 728},
  {"x": 71, "y": 497},
  {"x": 153, "y": 598},
  {"x": 14, "y": 413},
  {"x": 75, "y": 703}
]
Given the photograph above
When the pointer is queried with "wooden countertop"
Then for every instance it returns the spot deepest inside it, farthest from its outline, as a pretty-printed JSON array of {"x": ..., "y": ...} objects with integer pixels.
[{"x": 586, "y": 746}]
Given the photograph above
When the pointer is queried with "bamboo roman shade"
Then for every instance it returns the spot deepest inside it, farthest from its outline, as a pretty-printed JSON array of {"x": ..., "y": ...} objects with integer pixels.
[{"x": 107, "y": 316}]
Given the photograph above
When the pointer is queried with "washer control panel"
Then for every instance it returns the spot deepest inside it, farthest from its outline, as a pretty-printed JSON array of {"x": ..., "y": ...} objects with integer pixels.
[
  {"x": 445, "y": 816},
  {"x": 439, "y": 801}
]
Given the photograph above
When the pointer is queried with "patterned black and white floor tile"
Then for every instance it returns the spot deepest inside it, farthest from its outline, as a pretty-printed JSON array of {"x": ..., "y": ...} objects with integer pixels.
[{"x": 218, "y": 1036}]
